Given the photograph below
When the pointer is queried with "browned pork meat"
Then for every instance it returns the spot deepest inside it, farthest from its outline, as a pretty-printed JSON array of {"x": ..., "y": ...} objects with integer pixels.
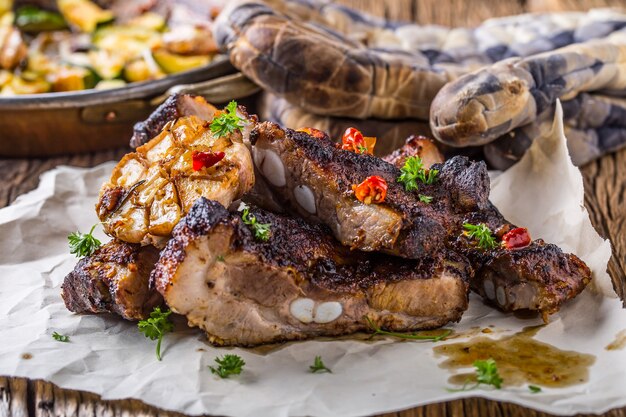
[
  {"x": 152, "y": 188},
  {"x": 114, "y": 279},
  {"x": 315, "y": 178},
  {"x": 298, "y": 284}
]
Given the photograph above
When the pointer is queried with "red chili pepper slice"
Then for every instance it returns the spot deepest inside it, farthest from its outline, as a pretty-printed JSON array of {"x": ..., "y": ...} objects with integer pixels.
[
  {"x": 353, "y": 140},
  {"x": 516, "y": 238},
  {"x": 311, "y": 131},
  {"x": 205, "y": 159},
  {"x": 372, "y": 190}
]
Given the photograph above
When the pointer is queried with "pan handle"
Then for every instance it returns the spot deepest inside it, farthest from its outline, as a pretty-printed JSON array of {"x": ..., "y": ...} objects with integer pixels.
[{"x": 217, "y": 90}]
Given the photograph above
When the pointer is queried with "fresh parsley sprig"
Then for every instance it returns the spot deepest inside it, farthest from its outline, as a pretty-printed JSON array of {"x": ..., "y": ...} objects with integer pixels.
[
  {"x": 413, "y": 171},
  {"x": 410, "y": 336},
  {"x": 481, "y": 234},
  {"x": 486, "y": 374},
  {"x": 157, "y": 325},
  {"x": 83, "y": 244},
  {"x": 228, "y": 365},
  {"x": 227, "y": 122},
  {"x": 60, "y": 337},
  {"x": 261, "y": 230},
  {"x": 429, "y": 177},
  {"x": 425, "y": 198},
  {"x": 318, "y": 366}
]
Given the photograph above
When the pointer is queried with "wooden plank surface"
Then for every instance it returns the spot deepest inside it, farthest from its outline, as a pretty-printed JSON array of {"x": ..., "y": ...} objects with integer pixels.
[{"x": 605, "y": 188}]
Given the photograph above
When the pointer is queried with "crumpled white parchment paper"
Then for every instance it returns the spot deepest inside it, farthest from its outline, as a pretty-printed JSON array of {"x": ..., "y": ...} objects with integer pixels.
[{"x": 110, "y": 357}]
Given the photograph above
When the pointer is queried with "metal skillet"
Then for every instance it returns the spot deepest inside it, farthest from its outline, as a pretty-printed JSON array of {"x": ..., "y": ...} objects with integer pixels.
[{"x": 49, "y": 124}]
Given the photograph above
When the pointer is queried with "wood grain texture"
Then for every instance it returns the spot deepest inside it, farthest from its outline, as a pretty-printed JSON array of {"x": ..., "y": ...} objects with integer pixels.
[{"x": 605, "y": 187}]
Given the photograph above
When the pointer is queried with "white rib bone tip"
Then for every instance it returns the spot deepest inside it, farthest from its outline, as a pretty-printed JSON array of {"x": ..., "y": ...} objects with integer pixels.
[
  {"x": 490, "y": 290},
  {"x": 501, "y": 296},
  {"x": 302, "y": 309},
  {"x": 258, "y": 155},
  {"x": 273, "y": 169},
  {"x": 304, "y": 197},
  {"x": 327, "y": 312}
]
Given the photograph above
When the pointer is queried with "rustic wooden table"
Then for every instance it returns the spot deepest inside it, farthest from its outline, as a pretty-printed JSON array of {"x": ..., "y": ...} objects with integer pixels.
[{"x": 605, "y": 186}]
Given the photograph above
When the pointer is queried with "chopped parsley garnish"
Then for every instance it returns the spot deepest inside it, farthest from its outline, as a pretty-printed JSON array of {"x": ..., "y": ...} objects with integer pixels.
[
  {"x": 219, "y": 258},
  {"x": 228, "y": 365},
  {"x": 410, "y": 336},
  {"x": 83, "y": 244},
  {"x": 534, "y": 389},
  {"x": 261, "y": 231},
  {"x": 481, "y": 234},
  {"x": 227, "y": 122},
  {"x": 318, "y": 366},
  {"x": 425, "y": 198},
  {"x": 486, "y": 374},
  {"x": 157, "y": 325},
  {"x": 414, "y": 171},
  {"x": 60, "y": 337}
]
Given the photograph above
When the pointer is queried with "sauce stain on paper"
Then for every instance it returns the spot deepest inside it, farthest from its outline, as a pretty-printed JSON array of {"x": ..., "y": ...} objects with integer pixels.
[
  {"x": 520, "y": 359},
  {"x": 619, "y": 342}
]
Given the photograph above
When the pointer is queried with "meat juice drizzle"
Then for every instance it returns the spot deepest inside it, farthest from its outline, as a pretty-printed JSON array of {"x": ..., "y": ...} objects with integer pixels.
[
  {"x": 358, "y": 337},
  {"x": 520, "y": 358}
]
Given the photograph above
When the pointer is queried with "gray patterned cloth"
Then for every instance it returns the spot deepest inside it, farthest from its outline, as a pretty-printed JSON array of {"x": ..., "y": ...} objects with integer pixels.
[
  {"x": 495, "y": 84},
  {"x": 594, "y": 126},
  {"x": 481, "y": 106}
]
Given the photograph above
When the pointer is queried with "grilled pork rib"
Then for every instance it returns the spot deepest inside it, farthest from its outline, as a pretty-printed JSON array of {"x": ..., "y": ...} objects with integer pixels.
[
  {"x": 152, "y": 188},
  {"x": 315, "y": 179},
  {"x": 114, "y": 279},
  {"x": 538, "y": 277},
  {"x": 299, "y": 284}
]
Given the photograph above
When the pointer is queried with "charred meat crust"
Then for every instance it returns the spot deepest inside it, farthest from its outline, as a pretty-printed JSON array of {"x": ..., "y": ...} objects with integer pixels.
[
  {"x": 114, "y": 279},
  {"x": 307, "y": 248}
]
